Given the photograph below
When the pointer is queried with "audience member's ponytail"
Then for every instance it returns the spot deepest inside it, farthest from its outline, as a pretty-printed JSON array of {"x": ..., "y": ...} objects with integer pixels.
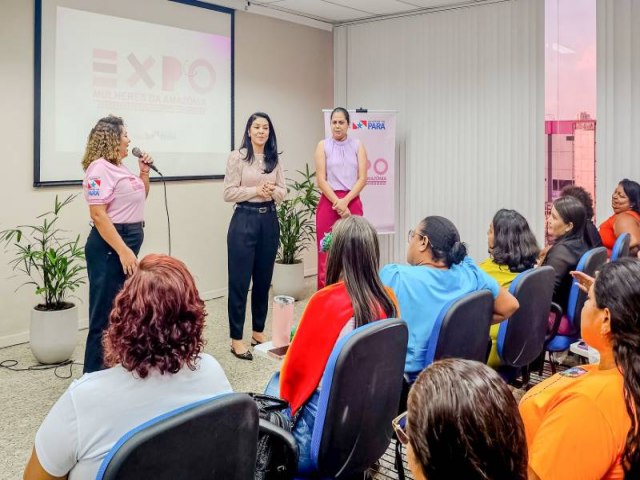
[
  {"x": 456, "y": 254},
  {"x": 444, "y": 240},
  {"x": 618, "y": 289}
]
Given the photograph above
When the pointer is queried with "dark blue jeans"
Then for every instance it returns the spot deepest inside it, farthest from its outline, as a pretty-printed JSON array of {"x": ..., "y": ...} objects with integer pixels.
[{"x": 106, "y": 278}]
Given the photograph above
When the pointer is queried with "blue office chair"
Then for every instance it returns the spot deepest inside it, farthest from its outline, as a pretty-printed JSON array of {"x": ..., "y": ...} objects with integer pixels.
[
  {"x": 212, "y": 438},
  {"x": 521, "y": 337},
  {"x": 589, "y": 263},
  {"x": 359, "y": 397},
  {"x": 462, "y": 329},
  {"x": 621, "y": 247}
]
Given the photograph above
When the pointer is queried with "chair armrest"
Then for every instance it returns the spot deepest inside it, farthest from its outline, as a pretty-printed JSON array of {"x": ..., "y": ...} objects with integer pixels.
[
  {"x": 285, "y": 438},
  {"x": 556, "y": 310}
]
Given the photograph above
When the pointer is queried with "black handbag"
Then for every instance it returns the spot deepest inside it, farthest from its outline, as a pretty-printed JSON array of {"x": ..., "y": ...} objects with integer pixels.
[{"x": 271, "y": 461}]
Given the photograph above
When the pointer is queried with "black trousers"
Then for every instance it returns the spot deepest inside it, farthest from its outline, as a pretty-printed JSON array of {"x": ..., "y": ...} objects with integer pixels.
[
  {"x": 106, "y": 278},
  {"x": 252, "y": 244}
]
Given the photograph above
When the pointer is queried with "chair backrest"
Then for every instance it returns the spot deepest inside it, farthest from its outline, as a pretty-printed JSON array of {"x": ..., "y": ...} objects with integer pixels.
[
  {"x": 621, "y": 247},
  {"x": 521, "y": 337},
  {"x": 360, "y": 392},
  {"x": 212, "y": 438},
  {"x": 461, "y": 329},
  {"x": 590, "y": 262}
]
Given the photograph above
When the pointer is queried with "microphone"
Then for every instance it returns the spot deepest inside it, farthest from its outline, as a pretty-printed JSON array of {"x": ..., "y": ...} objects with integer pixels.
[{"x": 138, "y": 153}]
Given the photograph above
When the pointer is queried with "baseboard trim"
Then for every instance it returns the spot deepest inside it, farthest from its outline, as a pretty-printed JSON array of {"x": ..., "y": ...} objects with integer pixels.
[{"x": 83, "y": 323}]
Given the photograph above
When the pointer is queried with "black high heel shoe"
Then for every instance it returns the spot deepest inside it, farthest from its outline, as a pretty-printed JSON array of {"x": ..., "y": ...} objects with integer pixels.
[{"x": 255, "y": 342}]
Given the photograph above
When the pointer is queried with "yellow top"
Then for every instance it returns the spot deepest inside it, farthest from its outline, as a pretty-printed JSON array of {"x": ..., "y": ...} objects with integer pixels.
[{"x": 504, "y": 277}]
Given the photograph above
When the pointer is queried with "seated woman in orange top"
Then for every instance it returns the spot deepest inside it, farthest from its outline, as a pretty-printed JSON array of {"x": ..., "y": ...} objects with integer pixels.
[
  {"x": 354, "y": 296},
  {"x": 625, "y": 203},
  {"x": 582, "y": 423}
]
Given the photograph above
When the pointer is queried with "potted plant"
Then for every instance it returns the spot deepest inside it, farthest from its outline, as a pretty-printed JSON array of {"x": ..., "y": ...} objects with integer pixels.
[
  {"x": 297, "y": 231},
  {"x": 55, "y": 267}
]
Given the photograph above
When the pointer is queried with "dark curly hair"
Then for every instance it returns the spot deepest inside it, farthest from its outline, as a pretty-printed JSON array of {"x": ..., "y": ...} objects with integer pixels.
[
  {"x": 463, "y": 422},
  {"x": 514, "y": 244},
  {"x": 157, "y": 319},
  {"x": 581, "y": 195},
  {"x": 617, "y": 288}
]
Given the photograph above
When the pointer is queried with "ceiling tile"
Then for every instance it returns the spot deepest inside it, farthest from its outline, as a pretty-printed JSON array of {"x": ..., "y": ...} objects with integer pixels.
[
  {"x": 434, "y": 3},
  {"x": 323, "y": 10},
  {"x": 377, "y": 7}
]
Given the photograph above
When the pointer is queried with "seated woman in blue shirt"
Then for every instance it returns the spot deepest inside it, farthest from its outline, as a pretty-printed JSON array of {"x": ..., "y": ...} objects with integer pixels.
[{"x": 439, "y": 271}]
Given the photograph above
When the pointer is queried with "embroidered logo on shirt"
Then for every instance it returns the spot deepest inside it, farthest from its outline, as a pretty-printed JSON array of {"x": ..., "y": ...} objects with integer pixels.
[
  {"x": 93, "y": 186},
  {"x": 574, "y": 372}
]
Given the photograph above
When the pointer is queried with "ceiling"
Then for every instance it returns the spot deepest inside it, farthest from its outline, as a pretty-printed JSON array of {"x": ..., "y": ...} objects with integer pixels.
[{"x": 336, "y": 12}]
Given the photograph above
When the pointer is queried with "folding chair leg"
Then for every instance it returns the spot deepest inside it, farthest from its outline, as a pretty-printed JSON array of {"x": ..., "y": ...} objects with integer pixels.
[{"x": 526, "y": 377}]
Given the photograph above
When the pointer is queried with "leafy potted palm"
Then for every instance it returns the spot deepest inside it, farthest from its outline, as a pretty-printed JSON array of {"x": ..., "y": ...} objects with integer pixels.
[
  {"x": 55, "y": 267},
  {"x": 297, "y": 231}
]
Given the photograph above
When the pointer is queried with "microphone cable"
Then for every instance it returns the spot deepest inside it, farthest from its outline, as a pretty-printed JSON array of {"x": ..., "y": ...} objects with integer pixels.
[{"x": 166, "y": 207}]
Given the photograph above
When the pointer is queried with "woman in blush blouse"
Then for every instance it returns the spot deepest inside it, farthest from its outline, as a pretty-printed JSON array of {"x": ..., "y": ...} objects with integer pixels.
[
  {"x": 341, "y": 171},
  {"x": 254, "y": 181}
]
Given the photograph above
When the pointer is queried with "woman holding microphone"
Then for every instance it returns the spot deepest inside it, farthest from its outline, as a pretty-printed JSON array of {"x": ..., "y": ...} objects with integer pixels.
[
  {"x": 341, "y": 172},
  {"x": 254, "y": 181},
  {"x": 116, "y": 205}
]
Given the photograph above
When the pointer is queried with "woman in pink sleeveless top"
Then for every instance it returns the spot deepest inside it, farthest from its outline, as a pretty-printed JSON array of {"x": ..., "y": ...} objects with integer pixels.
[
  {"x": 625, "y": 203},
  {"x": 341, "y": 172}
]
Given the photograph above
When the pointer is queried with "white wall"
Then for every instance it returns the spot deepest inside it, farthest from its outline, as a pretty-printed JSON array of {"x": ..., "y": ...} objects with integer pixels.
[
  {"x": 618, "y": 127},
  {"x": 280, "y": 67},
  {"x": 468, "y": 84}
]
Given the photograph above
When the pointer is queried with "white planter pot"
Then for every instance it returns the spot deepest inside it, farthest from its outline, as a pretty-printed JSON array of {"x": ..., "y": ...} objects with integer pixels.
[
  {"x": 288, "y": 280},
  {"x": 53, "y": 334}
]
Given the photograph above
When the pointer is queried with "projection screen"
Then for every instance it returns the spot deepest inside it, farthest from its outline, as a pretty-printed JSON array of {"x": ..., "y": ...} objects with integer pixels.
[{"x": 165, "y": 67}]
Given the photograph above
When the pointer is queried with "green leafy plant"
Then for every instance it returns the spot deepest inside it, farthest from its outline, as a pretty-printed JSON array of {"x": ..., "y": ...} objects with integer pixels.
[
  {"x": 296, "y": 216},
  {"x": 53, "y": 265}
]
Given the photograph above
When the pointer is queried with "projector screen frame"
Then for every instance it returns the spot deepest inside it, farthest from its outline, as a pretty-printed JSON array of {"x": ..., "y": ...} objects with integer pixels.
[{"x": 37, "y": 96}]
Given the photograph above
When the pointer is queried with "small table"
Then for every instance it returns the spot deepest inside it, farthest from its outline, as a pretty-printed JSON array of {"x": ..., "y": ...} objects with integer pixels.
[
  {"x": 263, "y": 351},
  {"x": 584, "y": 351}
]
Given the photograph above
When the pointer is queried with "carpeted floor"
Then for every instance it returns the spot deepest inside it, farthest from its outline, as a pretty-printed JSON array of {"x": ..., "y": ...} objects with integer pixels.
[{"x": 27, "y": 396}]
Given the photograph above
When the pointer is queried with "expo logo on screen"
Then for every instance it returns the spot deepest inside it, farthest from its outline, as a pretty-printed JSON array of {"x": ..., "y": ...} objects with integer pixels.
[{"x": 199, "y": 74}]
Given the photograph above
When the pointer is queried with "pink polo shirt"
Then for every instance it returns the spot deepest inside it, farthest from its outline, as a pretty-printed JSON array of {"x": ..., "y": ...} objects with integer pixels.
[{"x": 116, "y": 187}]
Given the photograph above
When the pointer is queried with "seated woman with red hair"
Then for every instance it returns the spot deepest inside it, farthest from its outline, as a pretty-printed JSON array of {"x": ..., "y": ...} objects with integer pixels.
[{"x": 153, "y": 345}]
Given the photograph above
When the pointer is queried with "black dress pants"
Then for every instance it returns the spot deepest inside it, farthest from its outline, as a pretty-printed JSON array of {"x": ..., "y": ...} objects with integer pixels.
[
  {"x": 252, "y": 244},
  {"x": 106, "y": 278}
]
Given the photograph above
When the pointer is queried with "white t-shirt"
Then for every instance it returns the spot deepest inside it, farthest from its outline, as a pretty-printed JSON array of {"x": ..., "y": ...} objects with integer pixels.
[{"x": 100, "y": 407}]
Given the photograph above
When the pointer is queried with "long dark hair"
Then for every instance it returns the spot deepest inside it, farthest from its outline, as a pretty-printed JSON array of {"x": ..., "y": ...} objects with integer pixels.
[
  {"x": 572, "y": 211},
  {"x": 463, "y": 422},
  {"x": 270, "y": 149},
  {"x": 354, "y": 257},
  {"x": 514, "y": 244},
  {"x": 617, "y": 288},
  {"x": 444, "y": 240},
  {"x": 632, "y": 190}
]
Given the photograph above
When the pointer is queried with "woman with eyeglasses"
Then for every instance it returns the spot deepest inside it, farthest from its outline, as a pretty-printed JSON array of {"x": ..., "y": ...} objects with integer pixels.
[
  {"x": 583, "y": 422},
  {"x": 439, "y": 271},
  {"x": 462, "y": 422}
]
